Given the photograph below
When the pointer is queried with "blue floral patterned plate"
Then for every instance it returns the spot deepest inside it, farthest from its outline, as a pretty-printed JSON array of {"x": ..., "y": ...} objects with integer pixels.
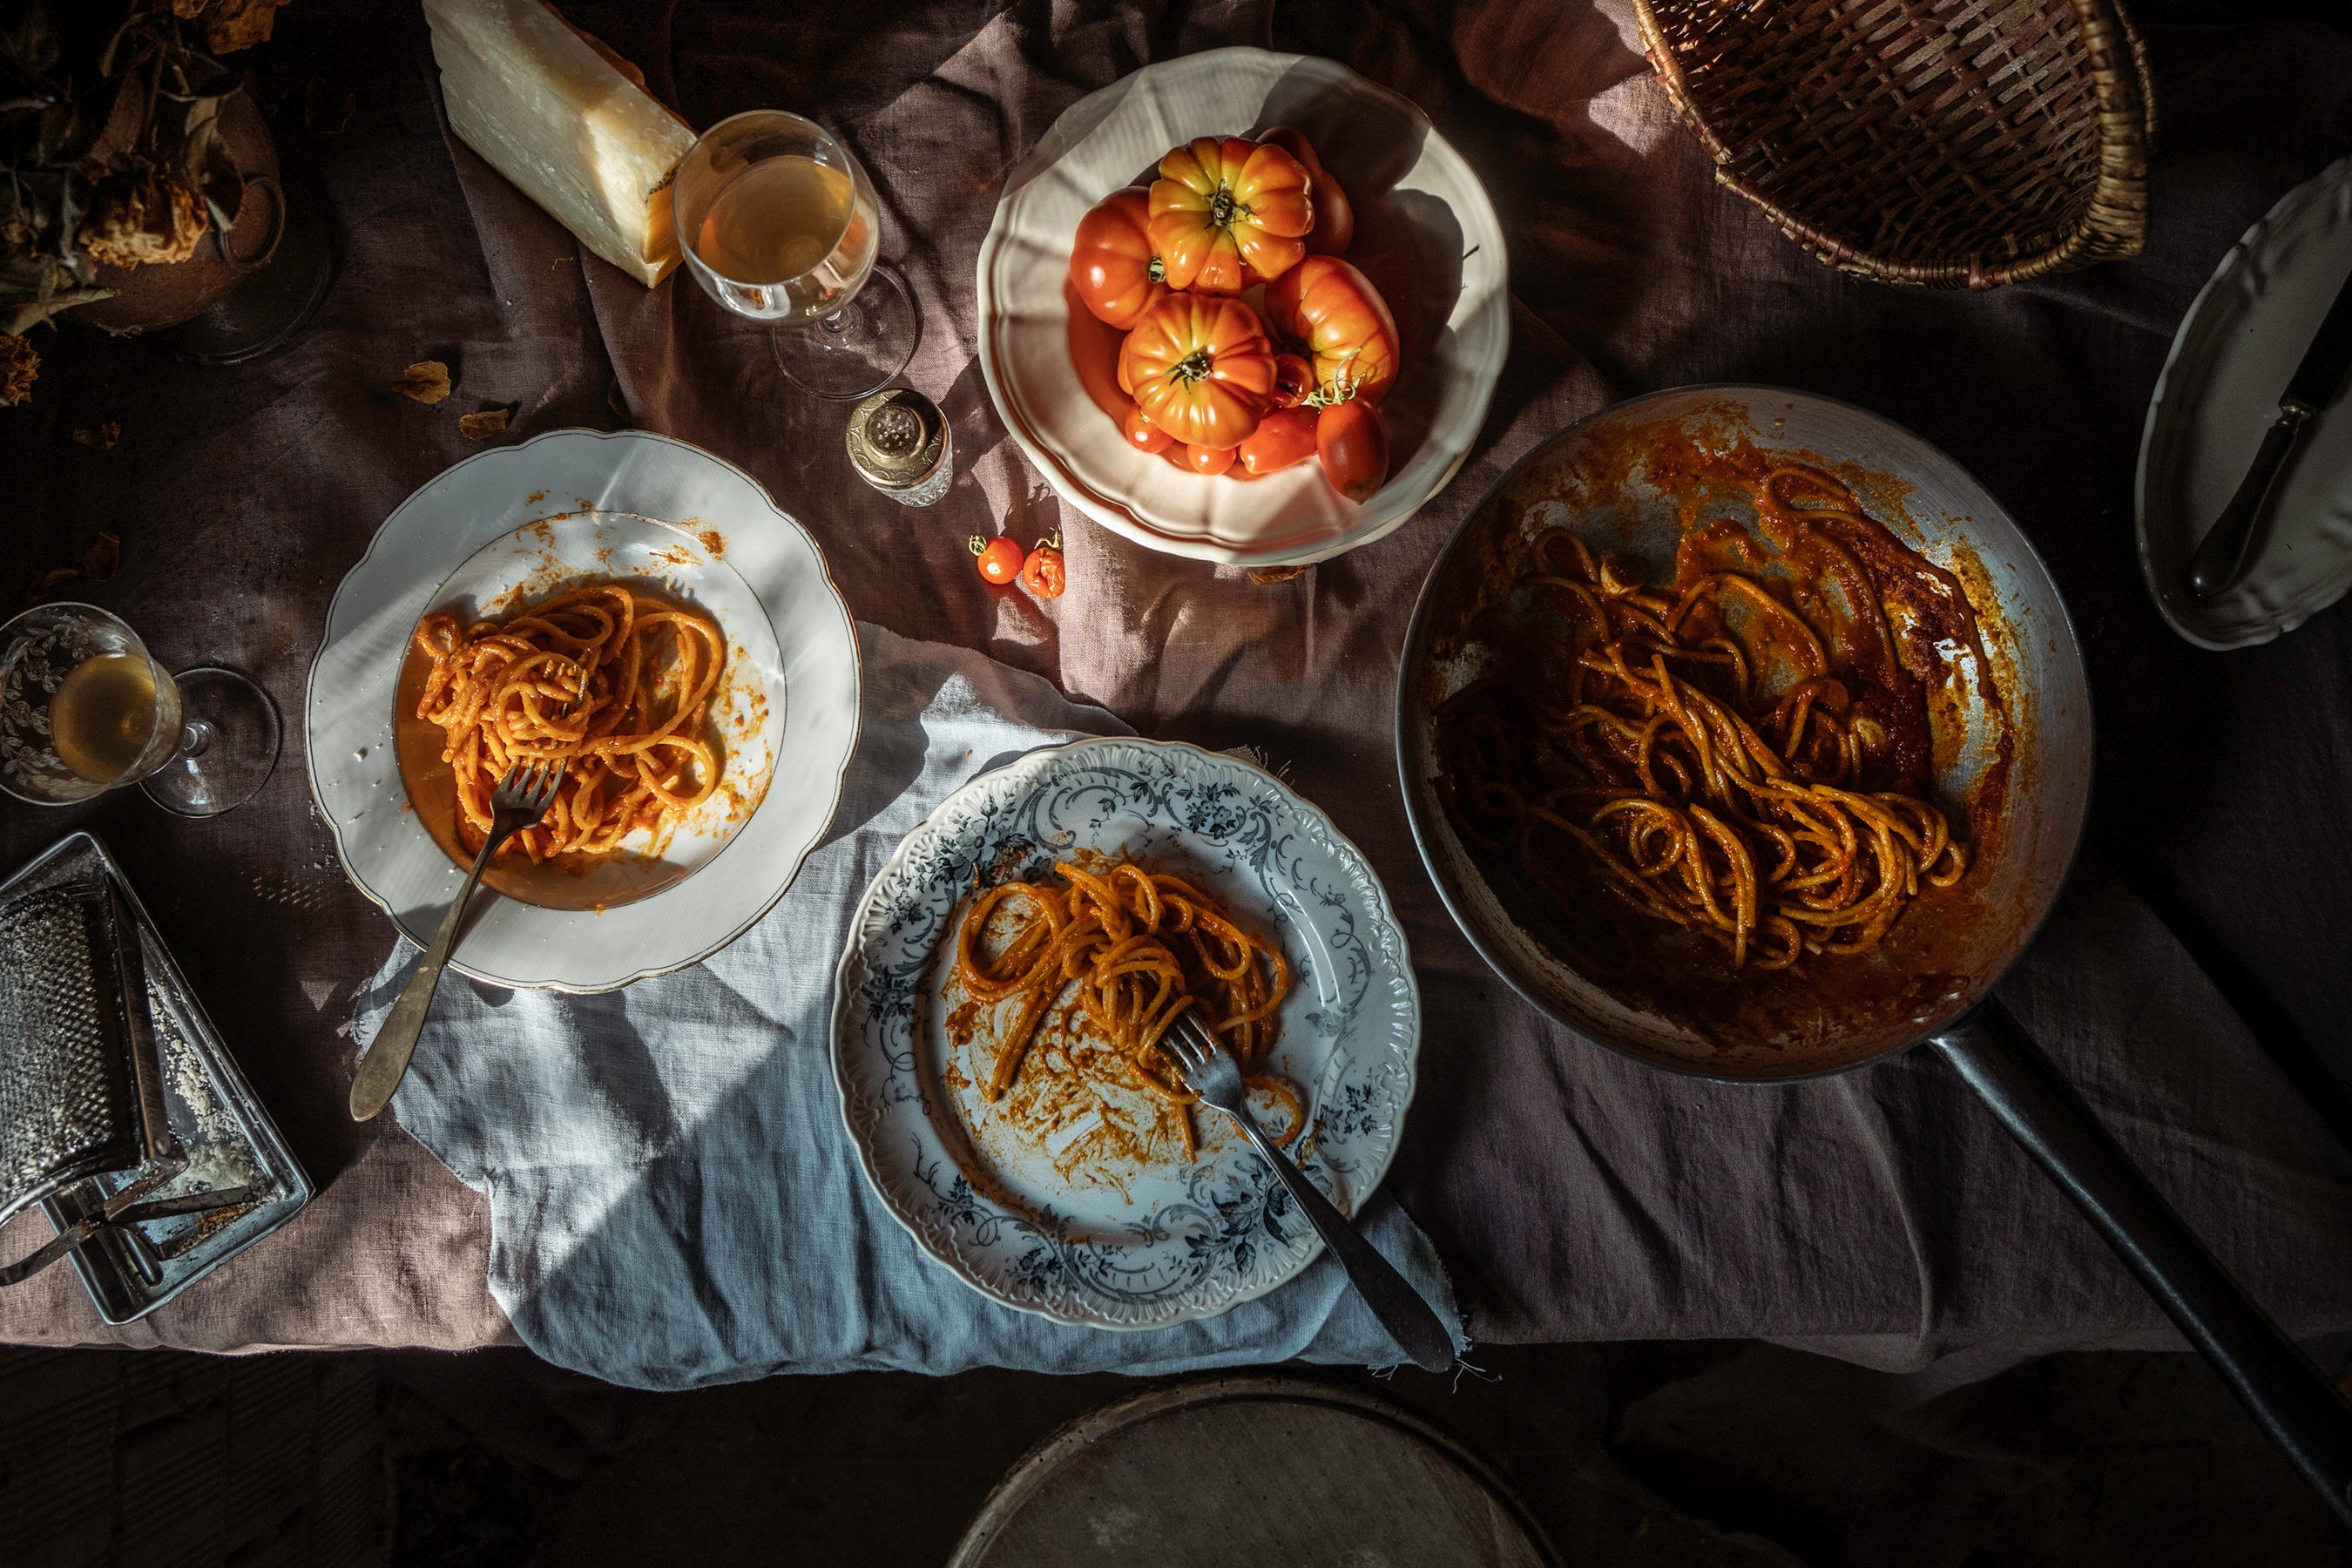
[{"x": 1134, "y": 1242}]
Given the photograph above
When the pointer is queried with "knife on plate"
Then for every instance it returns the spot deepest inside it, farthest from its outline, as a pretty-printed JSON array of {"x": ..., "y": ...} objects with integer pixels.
[{"x": 2222, "y": 558}]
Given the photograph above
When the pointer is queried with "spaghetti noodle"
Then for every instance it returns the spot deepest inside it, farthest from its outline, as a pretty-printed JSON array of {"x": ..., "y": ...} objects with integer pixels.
[
  {"x": 615, "y": 683},
  {"x": 1131, "y": 951},
  {"x": 1772, "y": 816}
]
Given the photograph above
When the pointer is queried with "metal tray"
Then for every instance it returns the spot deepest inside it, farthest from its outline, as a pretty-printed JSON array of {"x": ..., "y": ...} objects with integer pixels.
[{"x": 228, "y": 1138}]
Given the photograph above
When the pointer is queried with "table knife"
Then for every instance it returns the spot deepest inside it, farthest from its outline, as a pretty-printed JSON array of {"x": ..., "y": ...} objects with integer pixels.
[{"x": 2222, "y": 558}]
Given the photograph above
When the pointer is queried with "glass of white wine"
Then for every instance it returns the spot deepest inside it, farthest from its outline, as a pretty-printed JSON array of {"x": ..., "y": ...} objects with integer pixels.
[
  {"x": 777, "y": 222},
  {"x": 84, "y": 709}
]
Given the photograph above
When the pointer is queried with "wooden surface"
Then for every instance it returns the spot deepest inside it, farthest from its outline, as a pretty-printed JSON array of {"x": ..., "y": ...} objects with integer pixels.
[{"x": 1231, "y": 1472}]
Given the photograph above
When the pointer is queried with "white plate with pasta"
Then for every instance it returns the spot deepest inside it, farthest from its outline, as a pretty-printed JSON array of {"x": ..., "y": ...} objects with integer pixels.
[
  {"x": 628, "y": 602},
  {"x": 1014, "y": 1129}
]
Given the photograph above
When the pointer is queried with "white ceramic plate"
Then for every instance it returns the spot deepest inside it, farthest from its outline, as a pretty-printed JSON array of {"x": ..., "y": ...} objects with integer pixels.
[
  {"x": 1419, "y": 212},
  {"x": 2231, "y": 360},
  {"x": 1124, "y": 1244},
  {"x": 568, "y": 550},
  {"x": 514, "y": 517}
]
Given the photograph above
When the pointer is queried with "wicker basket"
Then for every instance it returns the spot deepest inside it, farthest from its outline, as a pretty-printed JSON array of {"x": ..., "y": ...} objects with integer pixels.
[{"x": 1940, "y": 143}]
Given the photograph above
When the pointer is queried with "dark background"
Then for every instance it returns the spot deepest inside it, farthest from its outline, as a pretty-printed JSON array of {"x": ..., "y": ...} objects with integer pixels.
[{"x": 1627, "y": 1453}]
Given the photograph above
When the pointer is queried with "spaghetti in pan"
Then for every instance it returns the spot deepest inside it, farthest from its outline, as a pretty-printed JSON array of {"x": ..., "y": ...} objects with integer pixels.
[{"x": 1696, "y": 785}]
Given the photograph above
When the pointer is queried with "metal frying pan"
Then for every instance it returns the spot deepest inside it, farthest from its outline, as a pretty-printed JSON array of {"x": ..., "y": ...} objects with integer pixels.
[{"x": 1577, "y": 480}]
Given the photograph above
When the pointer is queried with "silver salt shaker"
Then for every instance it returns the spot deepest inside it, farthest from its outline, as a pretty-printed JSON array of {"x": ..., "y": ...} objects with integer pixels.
[{"x": 901, "y": 444}]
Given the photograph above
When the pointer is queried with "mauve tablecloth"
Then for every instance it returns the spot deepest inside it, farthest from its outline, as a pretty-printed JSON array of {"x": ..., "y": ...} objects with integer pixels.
[{"x": 1880, "y": 1215}]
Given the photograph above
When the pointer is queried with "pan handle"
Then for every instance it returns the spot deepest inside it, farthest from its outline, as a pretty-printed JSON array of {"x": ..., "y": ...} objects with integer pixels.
[{"x": 2287, "y": 1395}]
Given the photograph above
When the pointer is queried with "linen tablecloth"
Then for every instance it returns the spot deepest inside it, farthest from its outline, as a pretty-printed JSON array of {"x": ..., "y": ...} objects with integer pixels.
[
  {"x": 2193, "y": 978},
  {"x": 674, "y": 1200}
]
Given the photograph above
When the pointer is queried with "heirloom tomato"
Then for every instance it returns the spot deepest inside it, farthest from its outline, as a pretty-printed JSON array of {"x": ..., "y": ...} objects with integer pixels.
[
  {"x": 1285, "y": 436},
  {"x": 1143, "y": 434},
  {"x": 1354, "y": 447},
  {"x": 1113, "y": 266},
  {"x": 1335, "y": 216},
  {"x": 1334, "y": 309},
  {"x": 1200, "y": 369},
  {"x": 1227, "y": 212}
]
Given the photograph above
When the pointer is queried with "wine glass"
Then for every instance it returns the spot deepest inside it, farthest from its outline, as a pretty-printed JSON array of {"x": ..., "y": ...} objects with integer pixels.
[
  {"x": 777, "y": 222},
  {"x": 84, "y": 708}
]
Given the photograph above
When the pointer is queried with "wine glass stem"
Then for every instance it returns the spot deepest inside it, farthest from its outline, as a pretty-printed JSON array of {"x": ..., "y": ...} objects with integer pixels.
[{"x": 196, "y": 738}]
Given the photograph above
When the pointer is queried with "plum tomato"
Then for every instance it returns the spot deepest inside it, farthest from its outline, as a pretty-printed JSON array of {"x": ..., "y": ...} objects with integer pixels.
[
  {"x": 1354, "y": 447},
  {"x": 1285, "y": 436}
]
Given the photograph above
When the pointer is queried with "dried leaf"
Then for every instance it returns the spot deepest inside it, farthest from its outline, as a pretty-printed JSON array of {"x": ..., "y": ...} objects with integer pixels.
[
  {"x": 427, "y": 380},
  {"x": 100, "y": 436},
  {"x": 144, "y": 218},
  {"x": 18, "y": 366},
  {"x": 1267, "y": 576},
  {"x": 231, "y": 24},
  {"x": 104, "y": 556},
  {"x": 483, "y": 426},
  {"x": 327, "y": 109},
  {"x": 48, "y": 582}
]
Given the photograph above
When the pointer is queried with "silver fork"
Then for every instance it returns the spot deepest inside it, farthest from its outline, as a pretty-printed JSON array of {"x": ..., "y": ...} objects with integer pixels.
[
  {"x": 1409, "y": 1321},
  {"x": 520, "y": 799}
]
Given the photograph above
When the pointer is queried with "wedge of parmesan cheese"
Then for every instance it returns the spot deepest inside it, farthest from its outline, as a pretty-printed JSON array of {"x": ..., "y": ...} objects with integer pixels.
[{"x": 568, "y": 121}]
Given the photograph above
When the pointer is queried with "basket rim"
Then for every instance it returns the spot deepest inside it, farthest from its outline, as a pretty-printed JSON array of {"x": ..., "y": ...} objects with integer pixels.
[{"x": 2114, "y": 223}]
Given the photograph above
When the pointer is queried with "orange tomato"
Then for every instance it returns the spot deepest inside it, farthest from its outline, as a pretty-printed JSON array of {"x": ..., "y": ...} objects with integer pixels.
[
  {"x": 1200, "y": 369},
  {"x": 1143, "y": 434},
  {"x": 1294, "y": 379},
  {"x": 1335, "y": 216},
  {"x": 999, "y": 559},
  {"x": 1113, "y": 266},
  {"x": 1210, "y": 460},
  {"x": 1354, "y": 447},
  {"x": 1045, "y": 574},
  {"x": 1284, "y": 437},
  {"x": 1334, "y": 309},
  {"x": 1227, "y": 212}
]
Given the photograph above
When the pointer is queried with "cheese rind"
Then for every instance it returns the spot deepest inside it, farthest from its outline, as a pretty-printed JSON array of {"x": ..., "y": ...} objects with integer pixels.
[{"x": 550, "y": 110}]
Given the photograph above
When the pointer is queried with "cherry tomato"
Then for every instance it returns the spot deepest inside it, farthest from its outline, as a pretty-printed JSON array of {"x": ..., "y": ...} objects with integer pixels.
[
  {"x": 1043, "y": 573},
  {"x": 1283, "y": 437},
  {"x": 1335, "y": 216},
  {"x": 1354, "y": 447},
  {"x": 1210, "y": 460},
  {"x": 1000, "y": 558},
  {"x": 1294, "y": 379},
  {"x": 1334, "y": 309},
  {"x": 1143, "y": 434},
  {"x": 1227, "y": 212},
  {"x": 1113, "y": 266}
]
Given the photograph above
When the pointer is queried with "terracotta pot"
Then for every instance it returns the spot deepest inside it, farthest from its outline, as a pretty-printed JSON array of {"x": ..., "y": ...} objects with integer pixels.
[{"x": 165, "y": 294}]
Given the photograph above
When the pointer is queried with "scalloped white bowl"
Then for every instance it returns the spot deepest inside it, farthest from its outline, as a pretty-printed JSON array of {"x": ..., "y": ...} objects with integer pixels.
[{"x": 1415, "y": 197}]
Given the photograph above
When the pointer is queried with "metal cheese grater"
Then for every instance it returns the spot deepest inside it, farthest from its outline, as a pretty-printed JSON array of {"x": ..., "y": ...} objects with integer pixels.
[{"x": 81, "y": 1084}]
